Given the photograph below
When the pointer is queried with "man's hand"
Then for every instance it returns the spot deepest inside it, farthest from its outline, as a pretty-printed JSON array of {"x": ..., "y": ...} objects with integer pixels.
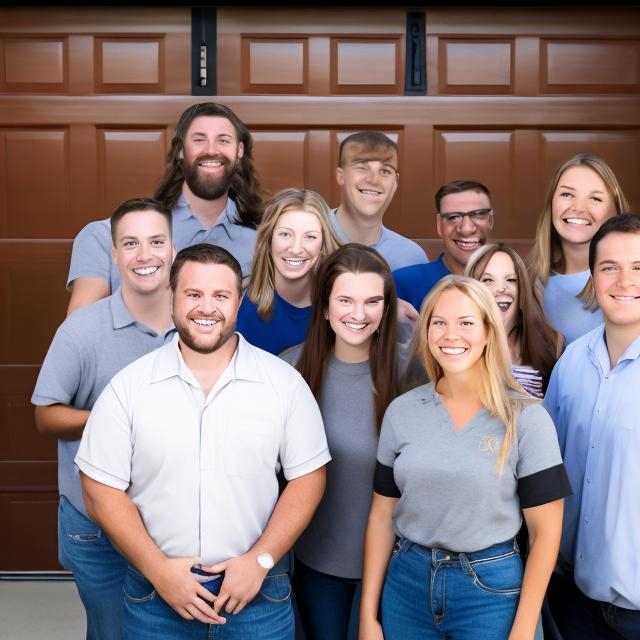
[
  {"x": 243, "y": 577},
  {"x": 175, "y": 583},
  {"x": 407, "y": 312}
]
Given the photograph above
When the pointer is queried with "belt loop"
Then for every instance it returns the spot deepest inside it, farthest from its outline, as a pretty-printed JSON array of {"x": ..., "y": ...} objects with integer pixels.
[{"x": 465, "y": 564}]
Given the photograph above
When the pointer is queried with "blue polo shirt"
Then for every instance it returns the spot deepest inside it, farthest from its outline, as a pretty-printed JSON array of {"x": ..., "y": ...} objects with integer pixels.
[
  {"x": 397, "y": 250},
  {"x": 414, "y": 283},
  {"x": 286, "y": 327},
  {"x": 595, "y": 409},
  {"x": 91, "y": 254},
  {"x": 88, "y": 349}
]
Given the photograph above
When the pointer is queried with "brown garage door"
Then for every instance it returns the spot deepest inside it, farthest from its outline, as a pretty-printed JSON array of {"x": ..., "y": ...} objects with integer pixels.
[{"x": 509, "y": 95}]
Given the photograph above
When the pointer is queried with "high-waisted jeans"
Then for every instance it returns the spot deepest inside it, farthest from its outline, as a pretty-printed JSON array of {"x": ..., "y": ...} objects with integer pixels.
[{"x": 434, "y": 593}]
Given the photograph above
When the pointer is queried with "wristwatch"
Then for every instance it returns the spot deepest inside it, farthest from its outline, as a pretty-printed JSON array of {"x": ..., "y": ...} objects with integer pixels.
[{"x": 265, "y": 560}]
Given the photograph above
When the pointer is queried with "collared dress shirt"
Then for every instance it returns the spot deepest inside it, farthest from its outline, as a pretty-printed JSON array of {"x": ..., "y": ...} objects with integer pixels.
[
  {"x": 91, "y": 253},
  {"x": 202, "y": 470},
  {"x": 596, "y": 410}
]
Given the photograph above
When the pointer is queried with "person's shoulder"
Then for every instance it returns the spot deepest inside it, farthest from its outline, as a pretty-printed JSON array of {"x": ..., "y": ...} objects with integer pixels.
[
  {"x": 413, "y": 272},
  {"x": 423, "y": 395},
  {"x": 98, "y": 229},
  {"x": 271, "y": 366},
  {"x": 292, "y": 354},
  {"x": 578, "y": 349},
  {"x": 88, "y": 321}
]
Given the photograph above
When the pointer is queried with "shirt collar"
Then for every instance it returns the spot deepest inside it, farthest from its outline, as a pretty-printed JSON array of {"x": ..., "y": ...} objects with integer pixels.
[
  {"x": 600, "y": 354},
  {"x": 227, "y": 219},
  {"x": 121, "y": 315},
  {"x": 243, "y": 365}
]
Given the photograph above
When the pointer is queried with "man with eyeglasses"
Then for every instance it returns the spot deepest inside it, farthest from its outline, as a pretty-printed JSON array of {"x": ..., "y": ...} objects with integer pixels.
[{"x": 465, "y": 219}]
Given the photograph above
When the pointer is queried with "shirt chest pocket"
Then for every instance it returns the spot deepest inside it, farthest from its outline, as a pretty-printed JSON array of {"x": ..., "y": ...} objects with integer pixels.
[{"x": 248, "y": 452}]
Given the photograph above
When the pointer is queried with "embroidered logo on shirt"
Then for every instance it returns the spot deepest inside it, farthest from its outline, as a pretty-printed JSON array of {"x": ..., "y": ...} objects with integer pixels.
[{"x": 488, "y": 443}]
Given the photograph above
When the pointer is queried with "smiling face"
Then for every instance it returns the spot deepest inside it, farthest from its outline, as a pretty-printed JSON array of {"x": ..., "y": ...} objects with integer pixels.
[
  {"x": 456, "y": 334},
  {"x": 499, "y": 276},
  {"x": 210, "y": 155},
  {"x": 143, "y": 251},
  {"x": 369, "y": 179},
  {"x": 296, "y": 244},
  {"x": 580, "y": 204},
  {"x": 355, "y": 310},
  {"x": 205, "y": 305},
  {"x": 616, "y": 280},
  {"x": 461, "y": 239}
]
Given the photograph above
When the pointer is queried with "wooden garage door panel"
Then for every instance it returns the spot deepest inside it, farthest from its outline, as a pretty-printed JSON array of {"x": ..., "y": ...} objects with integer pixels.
[
  {"x": 130, "y": 163},
  {"x": 28, "y": 536},
  {"x": 275, "y": 65},
  {"x": 18, "y": 434},
  {"x": 33, "y": 162},
  {"x": 485, "y": 156},
  {"x": 590, "y": 65},
  {"x": 33, "y": 276},
  {"x": 34, "y": 64},
  {"x": 131, "y": 64},
  {"x": 620, "y": 149},
  {"x": 281, "y": 159}
]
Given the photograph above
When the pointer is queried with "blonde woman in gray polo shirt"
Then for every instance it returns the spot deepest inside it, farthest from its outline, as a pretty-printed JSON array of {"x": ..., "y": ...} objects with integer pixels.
[{"x": 459, "y": 460}]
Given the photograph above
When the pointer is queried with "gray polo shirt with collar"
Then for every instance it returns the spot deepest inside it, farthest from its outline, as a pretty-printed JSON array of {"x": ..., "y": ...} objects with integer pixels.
[
  {"x": 88, "y": 349},
  {"x": 91, "y": 254},
  {"x": 451, "y": 496},
  {"x": 397, "y": 250}
]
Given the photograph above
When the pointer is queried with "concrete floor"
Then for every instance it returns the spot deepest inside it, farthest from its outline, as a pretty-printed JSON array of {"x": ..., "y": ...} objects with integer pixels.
[{"x": 40, "y": 609}]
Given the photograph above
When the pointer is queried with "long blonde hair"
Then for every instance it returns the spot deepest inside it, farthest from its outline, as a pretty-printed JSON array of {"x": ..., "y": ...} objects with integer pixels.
[
  {"x": 499, "y": 392},
  {"x": 546, "y": 256},
  {"x": 262, "y": 284}
]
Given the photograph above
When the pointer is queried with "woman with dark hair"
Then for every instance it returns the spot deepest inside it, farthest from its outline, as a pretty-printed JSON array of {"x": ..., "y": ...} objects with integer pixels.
[
  {"x": 295, "y": 235},
  {"x": 583, "y": 193},
  {"x": 348, "y": 360},
  {"x": 533, "y": 343}
]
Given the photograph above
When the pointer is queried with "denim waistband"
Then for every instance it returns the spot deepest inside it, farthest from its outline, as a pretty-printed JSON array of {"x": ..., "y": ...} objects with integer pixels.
[{"x": 437, "y": 555}]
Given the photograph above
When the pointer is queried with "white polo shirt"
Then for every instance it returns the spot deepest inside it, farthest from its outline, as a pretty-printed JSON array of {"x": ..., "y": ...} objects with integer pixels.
[{"x": 202, "y": 471}]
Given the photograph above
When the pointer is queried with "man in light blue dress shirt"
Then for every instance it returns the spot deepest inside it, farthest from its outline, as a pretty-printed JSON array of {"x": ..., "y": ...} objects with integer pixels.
[
  {"x": 210, "y": 185},
  {"x": 594, "y": 400}
]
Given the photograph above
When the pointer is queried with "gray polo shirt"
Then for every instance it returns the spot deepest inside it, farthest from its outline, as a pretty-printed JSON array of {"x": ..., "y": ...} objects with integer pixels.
[
  {"x": 333, "y": 543},
  {"x": 89, "y": 348},
  {"x": 451, "y": 494},
  {"x": 91, "y": 254},
  {"x": 397, "y": 250}
]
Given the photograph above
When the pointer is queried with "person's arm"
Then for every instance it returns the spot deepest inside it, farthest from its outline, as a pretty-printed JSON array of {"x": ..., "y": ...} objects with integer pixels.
[
  {"x": 62, "y": 421},
  {"x": 293, "y": 511},
  {"x": 86, "y": 291},
  {"x": 544, "y": 523},
  {"x": 378, "y": 544},
  {"x": 113, "y": 510}
]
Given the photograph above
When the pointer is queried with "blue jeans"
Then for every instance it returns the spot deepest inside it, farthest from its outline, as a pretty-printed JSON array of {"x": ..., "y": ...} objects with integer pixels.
[
  {"x": 578, "y": 617},
  {"x": 328, "y": 605},
  {"x": 269, "y": 616},
  {"x": 98, "y": 569},
  {"x": 433, "y": 593}
]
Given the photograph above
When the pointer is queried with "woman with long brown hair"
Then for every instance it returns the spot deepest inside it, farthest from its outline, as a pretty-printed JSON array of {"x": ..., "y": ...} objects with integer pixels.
[
  {"x": 533, "y": 343},
  {"x": 349, "y": 362},
  {"x": 582, "y": 194}
]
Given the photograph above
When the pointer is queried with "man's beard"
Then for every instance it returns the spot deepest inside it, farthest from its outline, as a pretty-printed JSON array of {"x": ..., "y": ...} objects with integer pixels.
[
  {"x": 208, "y": 187},
  {"x": 191, "y": 341}
]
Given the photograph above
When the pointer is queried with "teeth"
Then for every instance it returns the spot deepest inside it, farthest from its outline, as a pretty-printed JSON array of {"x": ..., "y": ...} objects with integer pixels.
[
  {"x": 145, "y": 271},
  {"x": 294, "y": 263},
  {"x": 580, "y": 221},
  {"x": 467, "y": 243},
  {"x": 624, "y": 298},
  {"x": 504, "y": 305},
  {"x": 356, "y": 325},
  {"x": 454, "y": 351},
  {"x": 210, "y": 163},
  {"x": 204, "y": 323},
  {"x": 370, "y": 193}
]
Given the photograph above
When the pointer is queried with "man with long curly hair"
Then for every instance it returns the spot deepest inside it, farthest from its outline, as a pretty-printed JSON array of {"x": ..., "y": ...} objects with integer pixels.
[{"x": 211, "y": 187}]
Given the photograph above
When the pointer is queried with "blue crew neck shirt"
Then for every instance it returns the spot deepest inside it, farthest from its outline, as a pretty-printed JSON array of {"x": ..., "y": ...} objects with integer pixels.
[
  {"x": 414, "y": 283},
  {"x": 286, "y": 327}
]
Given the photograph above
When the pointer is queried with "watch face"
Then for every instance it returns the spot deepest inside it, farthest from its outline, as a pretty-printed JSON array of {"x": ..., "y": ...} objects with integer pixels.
[{"x": 265, "y": 561}]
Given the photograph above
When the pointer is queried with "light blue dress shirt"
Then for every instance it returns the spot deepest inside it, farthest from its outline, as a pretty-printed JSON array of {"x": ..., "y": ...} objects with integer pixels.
[{"x": 596, "y": 410}]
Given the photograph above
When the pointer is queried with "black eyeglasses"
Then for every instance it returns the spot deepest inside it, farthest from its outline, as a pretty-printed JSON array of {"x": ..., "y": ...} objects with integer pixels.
[{"x": 479, "y": 215}]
